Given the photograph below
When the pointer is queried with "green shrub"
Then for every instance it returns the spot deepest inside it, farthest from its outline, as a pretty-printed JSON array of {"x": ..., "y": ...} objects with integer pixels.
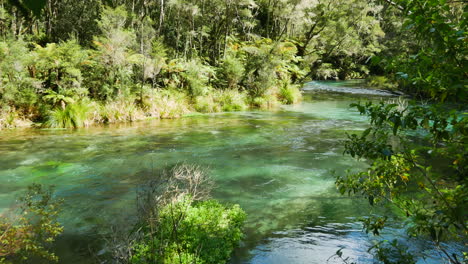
[
  {"x": 120, "y": 110},
  {"x": 170, "y": 103},
  {"x": 231, "y": 72},
  {"x": 193, "y": 232},
  {"x": 206, "y": 104},
  {"x": 289, "y": 93},
  {"x": 29, "y": 232},
  {"x": 381, "y": 82},
  {"x": 232, "y": 100},
  {"x": 73, "y": 115},
  {"x": 196, "y": 77}
]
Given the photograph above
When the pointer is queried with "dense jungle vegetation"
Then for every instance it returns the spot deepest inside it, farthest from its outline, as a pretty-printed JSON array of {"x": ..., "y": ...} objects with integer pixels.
[{"x": 70, "y": 64}]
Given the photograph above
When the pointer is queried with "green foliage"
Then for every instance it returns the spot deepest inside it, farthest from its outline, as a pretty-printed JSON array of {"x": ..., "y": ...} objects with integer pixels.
[
  {"x": 232, "y": 100},
  {"x": 403, "y": 174},
  {"x": 231, "y": 72},
  {"x": 196, "y": 77},
  {"x": 17, "y": 88},
  {"x": 381, "y": 82},
  {"x": 193, "y": 232},
  {"x": 28, "y": 234},
  {"x": 74, "y": 115},
  {"x": 289, "y": 94},
  {"x": 58, "y": 66},
  {"x": 434, "y": 65}
]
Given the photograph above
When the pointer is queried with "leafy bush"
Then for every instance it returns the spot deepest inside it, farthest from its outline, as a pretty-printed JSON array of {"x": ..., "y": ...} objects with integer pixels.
[
  {"x": 232, "y": 100},
  {"x": 231, "y": 72},
  {"x": 206, "y": 104},
  {"x": 196, "y": 76},
  {"x": 289, "y": 93},
  {"x": 178, "y": 223},
  {"x": 29, "y": 233},
  {"x": 381, "y": 82},
  {"x": 434, "y": 171},
  {"x": 17, "y": 87},
  {"x": 193, "y": 232}
]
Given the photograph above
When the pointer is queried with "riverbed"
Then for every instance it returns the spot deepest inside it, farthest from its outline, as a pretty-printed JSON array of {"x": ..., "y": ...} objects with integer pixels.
[{"x": 279, "y": 165}]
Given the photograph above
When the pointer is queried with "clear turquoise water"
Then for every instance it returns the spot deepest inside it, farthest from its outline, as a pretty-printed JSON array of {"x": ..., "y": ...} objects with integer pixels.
[{"x": 277, "y": 165}]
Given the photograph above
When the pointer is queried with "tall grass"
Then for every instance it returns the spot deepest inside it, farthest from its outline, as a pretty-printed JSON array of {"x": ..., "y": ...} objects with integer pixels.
[
  {"x": 206, "y": 104},
  {"x": 232, "y": 100},
  {"x": 268, "y": 100},
  {"x": 72, "y": 116},
  {"x": 168, "y": 104},
  {"x": 121, "y": 110},
  {"x": 11, "y": 118},
  {"x": 289, "y": 93}
]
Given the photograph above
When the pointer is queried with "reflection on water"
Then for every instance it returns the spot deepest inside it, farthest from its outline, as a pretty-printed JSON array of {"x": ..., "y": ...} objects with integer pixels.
[{"x": 277, "y": 165}]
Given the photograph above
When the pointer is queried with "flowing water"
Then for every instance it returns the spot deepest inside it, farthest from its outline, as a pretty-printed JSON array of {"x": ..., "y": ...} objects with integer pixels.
[{"x": 279, "y": 166}]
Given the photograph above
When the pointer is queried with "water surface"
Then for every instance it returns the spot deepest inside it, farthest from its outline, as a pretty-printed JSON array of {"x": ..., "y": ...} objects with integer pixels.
[{"x": 279, "y": 166}]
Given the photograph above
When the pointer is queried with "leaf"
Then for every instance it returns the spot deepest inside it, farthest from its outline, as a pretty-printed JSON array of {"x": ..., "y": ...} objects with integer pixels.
[{"x": 366, "y": 132}]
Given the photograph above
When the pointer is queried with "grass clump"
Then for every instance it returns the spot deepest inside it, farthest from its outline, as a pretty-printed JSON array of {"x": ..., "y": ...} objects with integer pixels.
[
  {"x": 232, "y": 100},
  {"x": 73, "y": 115},
  {"x": 289, "y": 93},
  {"x": 268, "y": 100},
  {"x": 169, "y": 104},
  {"x": 11, "y": 118},
  {"x": 121, "y": 110},
  {"x": 206, "y": 104}
]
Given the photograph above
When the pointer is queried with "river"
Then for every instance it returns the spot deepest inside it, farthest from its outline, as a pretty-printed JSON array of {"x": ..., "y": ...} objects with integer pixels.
[{"x": 278, "y": 165}]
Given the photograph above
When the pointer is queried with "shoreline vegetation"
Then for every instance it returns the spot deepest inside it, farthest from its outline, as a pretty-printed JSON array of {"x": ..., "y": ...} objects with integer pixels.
[
  {"x": 67, "y": 85},
  {"x": 123, "y": 61}
]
